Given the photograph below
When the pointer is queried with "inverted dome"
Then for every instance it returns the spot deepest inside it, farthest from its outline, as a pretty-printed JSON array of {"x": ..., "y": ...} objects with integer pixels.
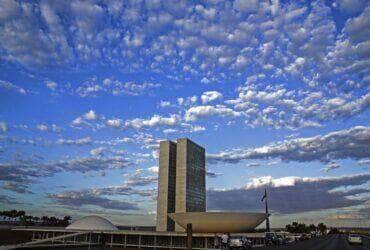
[
  {"x": 219, "y": 222},
  {"x": 92, "y": 222}
]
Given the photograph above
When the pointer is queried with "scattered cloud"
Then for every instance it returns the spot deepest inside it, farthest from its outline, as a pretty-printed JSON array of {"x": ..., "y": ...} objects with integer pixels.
[
  {"x": 75, "y": 142},
  {"x": 16, "y": 187},
  {"x": 4, "y": 199},
  {"x": 52, "y": 127},
  {"x": 76, "y": 200},
  {"x": 350, "y": 143},
  {"x": 212, "y": 174},
  {"x": 163, "y": 104},
  {"x": 139, "y": 179},
  {"x": 154, "y": 121},
  {"x": 210, "y": 96},
  {"x": 98, "y": 151},
  {"x": 364, "y": 162},
  {"x": 198, "y": 112},
  {"x": 332, "y": 165},
  {"x": 8, "y": 86},
  {"x": 42, "y": 127},
  {"x": 253, "y": 164},
  {"x": 51, "y": 85},
  {"x": 26, "y": 171},
  {"x": 291, "y": 194},
  {"x": 114, "y": 123},
  {"x": 154, "y": 169},
  {"x": 93, "y": 88},
  {"x": 3, "y": 127}
]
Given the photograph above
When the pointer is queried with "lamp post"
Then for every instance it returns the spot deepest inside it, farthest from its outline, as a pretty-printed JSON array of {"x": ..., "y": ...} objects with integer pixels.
[{"x": 267, "y": 212}]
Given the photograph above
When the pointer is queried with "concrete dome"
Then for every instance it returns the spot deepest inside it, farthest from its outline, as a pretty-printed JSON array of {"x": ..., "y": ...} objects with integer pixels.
[
  {"x": 219, "y": 222},
  {"x": 92, "y": 223}
]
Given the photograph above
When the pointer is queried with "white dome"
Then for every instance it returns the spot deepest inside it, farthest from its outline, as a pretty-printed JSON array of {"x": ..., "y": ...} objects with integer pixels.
[{"x": 92, "y": 222}]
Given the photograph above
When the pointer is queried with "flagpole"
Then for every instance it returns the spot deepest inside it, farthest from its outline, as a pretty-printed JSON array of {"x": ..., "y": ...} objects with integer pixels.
[{"x": 267, "y": 213}]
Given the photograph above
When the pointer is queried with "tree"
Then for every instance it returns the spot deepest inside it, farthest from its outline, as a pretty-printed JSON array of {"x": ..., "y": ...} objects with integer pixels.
[
  {"x": 20, "y": 213},
  {"x": 65, "y": 221},
  {"x": 30, "y": 220},
  {"x": 296, "y": 227},
  {"x": 312, "y": 228},
  {"x": 322, "y": 228}
]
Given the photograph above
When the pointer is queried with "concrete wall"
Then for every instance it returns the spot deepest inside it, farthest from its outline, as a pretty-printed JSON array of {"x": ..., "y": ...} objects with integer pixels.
[
  {"x": 166, "y": 186},
  {"x": 181, "y": 181},
  {"x": 190, "y": 178}
]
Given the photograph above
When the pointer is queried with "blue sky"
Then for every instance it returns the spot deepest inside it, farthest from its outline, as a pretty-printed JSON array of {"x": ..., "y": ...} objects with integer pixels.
[{"x": 277, "y": 93}]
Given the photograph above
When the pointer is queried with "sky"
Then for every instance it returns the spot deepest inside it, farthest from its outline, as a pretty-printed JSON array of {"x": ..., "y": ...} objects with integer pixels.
[{"x": 277, "y": 93}]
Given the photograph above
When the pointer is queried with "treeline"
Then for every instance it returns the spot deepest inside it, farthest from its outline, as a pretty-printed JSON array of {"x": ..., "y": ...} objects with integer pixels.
[
  {"x": 29, "y": 220},
  {"x": 296, "y": 227}
]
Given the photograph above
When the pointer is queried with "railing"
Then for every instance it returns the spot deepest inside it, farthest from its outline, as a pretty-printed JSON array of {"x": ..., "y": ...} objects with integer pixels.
[{"x": 125, "y": 239}]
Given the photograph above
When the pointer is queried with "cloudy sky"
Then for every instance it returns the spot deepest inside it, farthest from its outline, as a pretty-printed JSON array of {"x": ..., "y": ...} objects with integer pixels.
[{"x": 277, "y": 93}]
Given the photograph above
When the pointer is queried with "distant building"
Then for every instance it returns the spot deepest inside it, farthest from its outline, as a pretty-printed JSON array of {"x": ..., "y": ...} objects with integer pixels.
[{"x": 182, "y": 181}]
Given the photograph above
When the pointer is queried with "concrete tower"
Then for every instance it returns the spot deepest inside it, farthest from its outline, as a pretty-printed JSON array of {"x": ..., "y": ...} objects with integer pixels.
[
  {"x": 182, "y": 181},
  {"x": 166, "y": 186}
]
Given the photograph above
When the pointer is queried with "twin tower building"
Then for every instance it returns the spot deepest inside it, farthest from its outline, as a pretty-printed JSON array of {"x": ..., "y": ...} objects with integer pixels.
[{"x": 181, "y": 182}]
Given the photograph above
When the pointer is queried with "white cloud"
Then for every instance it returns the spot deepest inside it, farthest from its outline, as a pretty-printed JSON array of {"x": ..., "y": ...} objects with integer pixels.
[
  {"x": 51, "y": 85},
  {"x": 253, "y": 164},
  {"x": 197, "y": 112},
  {"x": 115, "y": 123},
  {"x": 11, "y": 87},
  {"x": 86, "y": 119},
  {"x": 153, "y": 169},
  {"x": 247, "y": 6},
  {"x": 351, "y": 6},
  {"x": 3, "y": 127},
  {"x": 210, "y": 96},
  {"x": 77, "y": 142},
  {"x": 270, "y": 181},
  {"x": 205, "y": 80},
  {"x": 170, "y": 131},
  {"x": 164, "y": 104},
  {"x": 286, "y": 194},
  {"x": 154, "y": 121},
  {"x": 351, "y": 143},
  {"x": 197, "y": 128},
  {"x": 56, "y": 128},
  {"x": 364, "y": 162},
  {"x": 189, "y": 101},
  {"x": 92, "y": 87},
  {"x": 91, "y": 115},
  {"x": 97, "y": 151},
  {"x": 42, "y": 127}
]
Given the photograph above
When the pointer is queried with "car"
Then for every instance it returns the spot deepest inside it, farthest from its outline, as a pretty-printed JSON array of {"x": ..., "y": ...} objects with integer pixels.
[
  {"x": 281, "y": 239},
  {"x": 354, "y": 239},
  {"x": 271, "y": 238},
  {"x": 240, "y": 243},
  {"x": 304, "y": 237}
]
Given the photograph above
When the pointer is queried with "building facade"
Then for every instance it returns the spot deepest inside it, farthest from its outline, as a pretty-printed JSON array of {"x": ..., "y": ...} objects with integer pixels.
[
  {"x": 166, "y": 186},
  {"x": 190, "y": 178},
  {"x": 181, "y": 182}
]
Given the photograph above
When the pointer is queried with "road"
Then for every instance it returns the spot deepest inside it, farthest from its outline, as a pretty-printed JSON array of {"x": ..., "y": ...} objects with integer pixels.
[{"x": 330, "y": 242}]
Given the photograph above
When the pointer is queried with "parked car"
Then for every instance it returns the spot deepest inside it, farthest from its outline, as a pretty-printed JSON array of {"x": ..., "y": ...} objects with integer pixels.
[
  {"x": 304, "y": 237},
  {"x": 271, "y": 238},
  {"x": 281, "y": 239},
  {"x": 240, "y": 243},
  {"x": 354, "y": 239}
]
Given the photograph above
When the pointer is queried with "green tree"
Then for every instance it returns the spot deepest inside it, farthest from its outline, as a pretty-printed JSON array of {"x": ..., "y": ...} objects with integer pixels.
[
  {"x": 66, "y": 220},
  {"x": 312, "y": 228},
  {"x": 322, "y": 228}
]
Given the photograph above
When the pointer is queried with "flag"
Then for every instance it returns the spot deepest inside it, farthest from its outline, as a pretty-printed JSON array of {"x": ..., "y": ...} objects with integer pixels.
[{"x": 264, "y": 196}]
